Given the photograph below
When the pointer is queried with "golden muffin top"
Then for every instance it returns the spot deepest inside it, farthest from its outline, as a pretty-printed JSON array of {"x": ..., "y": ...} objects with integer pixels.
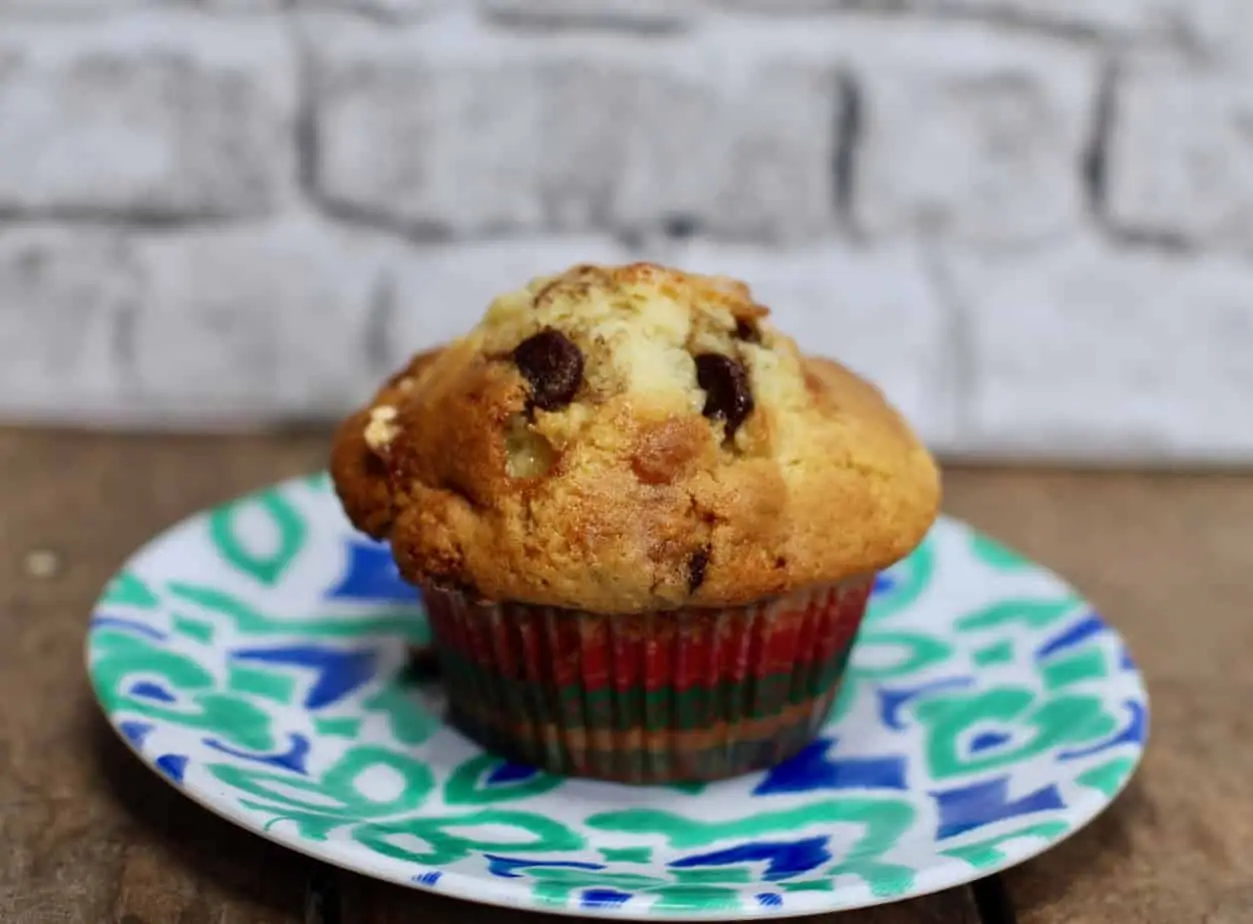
[{"x": 632, "y": 438}]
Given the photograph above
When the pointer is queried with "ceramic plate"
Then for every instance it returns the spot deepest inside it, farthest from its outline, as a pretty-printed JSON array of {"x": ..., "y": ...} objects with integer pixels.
[{"x": 255, "y": 656}]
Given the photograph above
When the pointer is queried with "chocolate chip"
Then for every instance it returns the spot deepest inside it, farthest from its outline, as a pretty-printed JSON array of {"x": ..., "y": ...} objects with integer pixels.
[
  {"x": 747, "y": 330},
  {"x": 696, "y": 566},
  {"x": 553, "y": 366},
  {"x": 727, "y": 394}
]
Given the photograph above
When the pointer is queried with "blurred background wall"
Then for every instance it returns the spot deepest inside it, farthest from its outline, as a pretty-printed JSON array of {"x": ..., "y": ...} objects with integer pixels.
[{"x": 1031, "y": 221}]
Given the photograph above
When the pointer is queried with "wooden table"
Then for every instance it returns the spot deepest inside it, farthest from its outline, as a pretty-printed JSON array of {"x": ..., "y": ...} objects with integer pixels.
[{"x": 88, "y": 835}]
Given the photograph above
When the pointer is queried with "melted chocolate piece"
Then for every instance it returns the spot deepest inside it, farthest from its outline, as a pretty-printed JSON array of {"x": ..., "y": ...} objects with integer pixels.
[
  {"x": 696, "y": 566},
  {"x": 727, "y": 393},
  {"x": 553, "y": 366}
]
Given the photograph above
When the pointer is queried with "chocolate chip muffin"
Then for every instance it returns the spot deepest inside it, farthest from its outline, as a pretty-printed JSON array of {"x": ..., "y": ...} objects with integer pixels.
[{"x": 644, "y": 523}]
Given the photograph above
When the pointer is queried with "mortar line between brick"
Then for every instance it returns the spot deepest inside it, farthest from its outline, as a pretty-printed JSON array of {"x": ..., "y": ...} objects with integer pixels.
[
  {"x": 308, "y": 150},
  {"x": 1095, "y": 162},
  {"x": 848, "y": 129},
  {"x": 378, "y": 325},
  {"x": 124, "y": 218},
  {"x": 122, "y": 349},
  {"x": 959, "y": 372},
  {"x": 1095, "y": 168},
  {"x": 304, "y": 125}
]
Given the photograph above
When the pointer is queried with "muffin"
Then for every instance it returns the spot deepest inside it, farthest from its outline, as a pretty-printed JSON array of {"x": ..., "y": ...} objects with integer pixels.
[{"x": 644, "y": 524}]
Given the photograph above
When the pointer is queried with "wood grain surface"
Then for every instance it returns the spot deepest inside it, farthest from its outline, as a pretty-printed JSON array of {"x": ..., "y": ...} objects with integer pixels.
[{"x": 90, "y": 836}]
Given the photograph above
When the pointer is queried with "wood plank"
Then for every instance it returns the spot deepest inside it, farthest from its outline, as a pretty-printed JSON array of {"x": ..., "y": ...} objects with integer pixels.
[
  {"x": 91, "y": 835},
  {"x": 1168, "y": 560}
]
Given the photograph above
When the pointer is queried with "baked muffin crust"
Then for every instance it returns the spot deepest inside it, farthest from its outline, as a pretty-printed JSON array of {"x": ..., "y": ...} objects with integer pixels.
[{"x": 633, "y": 438}]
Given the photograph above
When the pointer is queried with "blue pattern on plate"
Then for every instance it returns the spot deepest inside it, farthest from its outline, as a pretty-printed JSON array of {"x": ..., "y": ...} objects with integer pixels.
[
  {"x": 371, "y": 576},
  {"x": 785, "y": 859},
  {"x": 968, "y": 807},
  {"x": 1080, "y": 633},
  {"x": 173, "y": 766},
  {"x": 812, "y": 769},
  {"x": 339, "y": 673},
  {"x": 292, "y": 759}
]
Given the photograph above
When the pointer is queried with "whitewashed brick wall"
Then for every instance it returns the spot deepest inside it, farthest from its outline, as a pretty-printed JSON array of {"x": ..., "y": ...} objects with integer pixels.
[{"x": 1030, "y": 220}]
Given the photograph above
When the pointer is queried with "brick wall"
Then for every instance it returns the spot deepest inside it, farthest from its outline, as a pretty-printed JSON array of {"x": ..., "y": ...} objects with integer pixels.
[{"x": 1030, "y": 220}]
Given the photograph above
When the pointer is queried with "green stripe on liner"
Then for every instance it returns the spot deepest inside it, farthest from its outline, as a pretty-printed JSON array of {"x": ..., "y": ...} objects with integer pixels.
[
  {"x": 635, "y": 764},
  {"x": 605, "y": 708}
]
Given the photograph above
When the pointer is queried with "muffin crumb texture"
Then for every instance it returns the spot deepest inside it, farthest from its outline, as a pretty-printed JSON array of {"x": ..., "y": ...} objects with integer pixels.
[{"x": 634, "y": 438}]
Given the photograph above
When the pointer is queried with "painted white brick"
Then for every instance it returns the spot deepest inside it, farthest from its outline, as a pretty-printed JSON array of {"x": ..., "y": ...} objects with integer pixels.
[
  {"x": 246, "y": 325},
  {"x": 232, "y": 6},
  {"x": 1088, "y": 353},
  {"x": 1210, "y": 26},
  {"x": 385, "y": 9},
  {"x": 1180, "y": 155},
  {"x": 66, "y": 301},
  {"x": 1115, "y": 17},
  {"x": 63, "y": 8},
  {"x": 741, "y": 147},
  {"x": 873, "y": 309},
  {"x": 417, "y": 132},
  {"x": 1207, "y": 25},
  {"x": 1217, "y": 28},
  {"x": 66, "y": 10},
  {"x": 775, "y": 7},
  {"x": 475, "y": 134},
  {"x": 1107, "y": 16},
  {"x": 148, "y": 115},
  {"x": 971, "y": 133},
  {"x": 628, "y": 14},
  {"x": 440, "y": 292}
]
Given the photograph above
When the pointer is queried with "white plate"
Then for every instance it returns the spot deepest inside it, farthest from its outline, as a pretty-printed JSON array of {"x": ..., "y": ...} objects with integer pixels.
[{"x": 254, "y": 655}]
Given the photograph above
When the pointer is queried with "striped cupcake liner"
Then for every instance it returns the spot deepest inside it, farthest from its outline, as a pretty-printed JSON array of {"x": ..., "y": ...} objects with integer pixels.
[{"x": 691, "y": 694}]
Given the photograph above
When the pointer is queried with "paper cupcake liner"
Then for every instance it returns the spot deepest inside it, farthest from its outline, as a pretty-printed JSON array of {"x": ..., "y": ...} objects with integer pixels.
[{"x": 690, "y": 694}]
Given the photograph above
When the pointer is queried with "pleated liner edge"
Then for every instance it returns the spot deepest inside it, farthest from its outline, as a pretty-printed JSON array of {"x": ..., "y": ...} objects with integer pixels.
[{"x": 683, "y": 695}]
